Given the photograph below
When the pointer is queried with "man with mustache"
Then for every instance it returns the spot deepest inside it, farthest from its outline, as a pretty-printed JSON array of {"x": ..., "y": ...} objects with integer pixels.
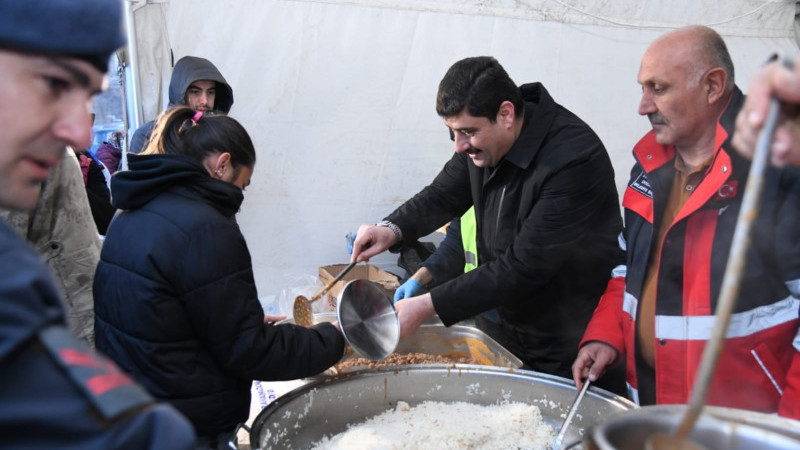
[
  {"x": 196, "y": 83},
  {"x": 57, "y": 392},
  {"x": 681, "y": 208},
  {"x": 546, "y": 212}
]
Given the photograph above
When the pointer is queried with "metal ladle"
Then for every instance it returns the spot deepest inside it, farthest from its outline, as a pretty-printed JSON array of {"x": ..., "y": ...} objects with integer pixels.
[
  {"x": 301, "y": 309},
  {"x": 728, "y": 293},
  {"x": 572, "y": 409}
]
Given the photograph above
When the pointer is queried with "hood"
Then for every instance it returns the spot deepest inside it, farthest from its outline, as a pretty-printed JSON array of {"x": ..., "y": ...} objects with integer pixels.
[
  {"x": 151, "y": 175},
  {"x": 191, "y": 68}
]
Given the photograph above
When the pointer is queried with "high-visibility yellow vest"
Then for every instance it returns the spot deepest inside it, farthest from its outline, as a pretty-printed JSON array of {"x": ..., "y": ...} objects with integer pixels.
[{"x": 469, "y": 239}]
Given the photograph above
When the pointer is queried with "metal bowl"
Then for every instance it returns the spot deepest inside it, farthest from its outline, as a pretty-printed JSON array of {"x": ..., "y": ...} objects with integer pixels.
[
  {"x": 326, "y": 407},
  {"x": 368, "y": 319},
  {"x": 716, "y": 428}
]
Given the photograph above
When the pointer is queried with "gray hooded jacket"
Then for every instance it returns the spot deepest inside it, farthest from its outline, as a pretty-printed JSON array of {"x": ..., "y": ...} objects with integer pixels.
[{"x": 186, "y": 71}]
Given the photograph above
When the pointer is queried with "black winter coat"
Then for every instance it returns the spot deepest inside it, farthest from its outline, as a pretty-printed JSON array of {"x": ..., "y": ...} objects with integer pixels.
[
  {"x": 548, "y": 218},
  {"x": 175, "y": 299}
]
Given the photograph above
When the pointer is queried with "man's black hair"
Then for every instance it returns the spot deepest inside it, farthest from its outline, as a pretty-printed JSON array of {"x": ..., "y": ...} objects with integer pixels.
[{"x": 478, "y": 85}]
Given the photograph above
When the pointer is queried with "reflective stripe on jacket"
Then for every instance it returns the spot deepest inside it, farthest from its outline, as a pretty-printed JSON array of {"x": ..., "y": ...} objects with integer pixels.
[{"x": 469, "y": 233}]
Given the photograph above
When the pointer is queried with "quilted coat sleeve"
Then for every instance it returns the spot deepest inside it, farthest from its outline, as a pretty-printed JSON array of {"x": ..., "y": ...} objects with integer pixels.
[{"x": 221, "y": 300}]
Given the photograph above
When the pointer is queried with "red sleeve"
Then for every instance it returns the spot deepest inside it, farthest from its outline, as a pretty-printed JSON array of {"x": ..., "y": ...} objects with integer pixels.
[
  {"x": 606, "y": 325},
  {"x": 789, "y": 405}
]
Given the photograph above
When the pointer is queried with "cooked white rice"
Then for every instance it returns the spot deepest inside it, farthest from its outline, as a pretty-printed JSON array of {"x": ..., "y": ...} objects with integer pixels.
[{"x": 439, "y": 425}]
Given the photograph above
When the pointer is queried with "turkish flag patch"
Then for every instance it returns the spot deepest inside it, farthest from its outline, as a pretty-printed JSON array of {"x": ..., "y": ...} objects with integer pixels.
[{"x": 727, "y": 191}]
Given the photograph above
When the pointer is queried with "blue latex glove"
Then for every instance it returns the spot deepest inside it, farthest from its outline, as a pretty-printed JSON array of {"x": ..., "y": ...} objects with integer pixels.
[
  {"x": 407, "y": 289},
  {"x": 351, "y": 237}
]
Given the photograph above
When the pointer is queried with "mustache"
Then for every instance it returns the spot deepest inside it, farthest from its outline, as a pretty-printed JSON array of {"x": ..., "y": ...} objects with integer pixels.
[{"x": 657, "y": 119}]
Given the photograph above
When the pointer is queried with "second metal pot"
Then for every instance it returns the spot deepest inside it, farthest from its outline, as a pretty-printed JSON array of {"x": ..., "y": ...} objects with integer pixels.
[{"x": 716, "y": 429}]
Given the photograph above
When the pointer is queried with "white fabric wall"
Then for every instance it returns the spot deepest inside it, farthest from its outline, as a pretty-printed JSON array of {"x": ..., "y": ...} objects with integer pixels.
[
  {"x": 153, "y": 63},
  {"x": 339, "y": 95}
]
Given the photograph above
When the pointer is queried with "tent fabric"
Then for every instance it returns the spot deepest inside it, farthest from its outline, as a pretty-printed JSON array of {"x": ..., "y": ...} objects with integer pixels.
[
  {"x": 737, "y": 18},
  {"x": 154, "y": 62},
  {"x": 339, "y": 95}
]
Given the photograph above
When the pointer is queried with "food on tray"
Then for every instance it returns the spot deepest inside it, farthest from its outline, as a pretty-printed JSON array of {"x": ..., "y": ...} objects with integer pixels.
[
  {"x": 503, "y": 426},
  {"x": 399, "y": 359}
]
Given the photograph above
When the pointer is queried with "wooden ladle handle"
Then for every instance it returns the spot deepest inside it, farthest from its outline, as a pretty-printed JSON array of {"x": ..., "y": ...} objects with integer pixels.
[{"x": 333, "y": 281}]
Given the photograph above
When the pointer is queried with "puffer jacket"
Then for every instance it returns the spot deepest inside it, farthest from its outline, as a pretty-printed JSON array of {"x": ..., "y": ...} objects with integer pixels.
[
  {"x": 759, "y": 368},
  {"x": 176, "y": 303},
  {"x": 547, "y": 224},
  {"x": 186, "y": 71}
]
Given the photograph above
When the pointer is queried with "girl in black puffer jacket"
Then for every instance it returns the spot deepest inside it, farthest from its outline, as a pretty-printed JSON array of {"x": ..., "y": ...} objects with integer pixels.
[{"x": 175, "y": 299}]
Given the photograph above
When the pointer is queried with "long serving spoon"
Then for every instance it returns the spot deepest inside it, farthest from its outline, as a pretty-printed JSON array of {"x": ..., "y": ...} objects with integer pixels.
[
  {"x": 572, "y": 409},
  {"x": 730, "y": 288},
  {"x": 301, "y": 309}
]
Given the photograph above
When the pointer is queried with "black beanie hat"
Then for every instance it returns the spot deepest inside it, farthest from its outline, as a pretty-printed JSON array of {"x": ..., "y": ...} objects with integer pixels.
[{"x": 86, "y": 29}]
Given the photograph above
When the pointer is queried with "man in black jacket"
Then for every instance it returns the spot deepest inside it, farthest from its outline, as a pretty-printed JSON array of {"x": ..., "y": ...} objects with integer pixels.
[{"x": 546, "y": 210}]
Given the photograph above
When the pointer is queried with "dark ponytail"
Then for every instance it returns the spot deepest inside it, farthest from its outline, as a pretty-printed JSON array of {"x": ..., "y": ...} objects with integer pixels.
[{"x": 183, "y": 131}]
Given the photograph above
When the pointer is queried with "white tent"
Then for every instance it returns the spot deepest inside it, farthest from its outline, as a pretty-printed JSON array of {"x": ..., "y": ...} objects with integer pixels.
[{"x": 339, "y": 95}]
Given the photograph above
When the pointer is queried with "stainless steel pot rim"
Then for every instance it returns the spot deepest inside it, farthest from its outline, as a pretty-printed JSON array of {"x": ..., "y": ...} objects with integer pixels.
[
  {"x": 440, "y": 369},
  {"x": 448, "y": 368}
]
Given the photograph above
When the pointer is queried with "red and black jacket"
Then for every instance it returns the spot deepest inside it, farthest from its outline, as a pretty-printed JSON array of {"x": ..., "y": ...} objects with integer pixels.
[{"x": 759, "y": 368}]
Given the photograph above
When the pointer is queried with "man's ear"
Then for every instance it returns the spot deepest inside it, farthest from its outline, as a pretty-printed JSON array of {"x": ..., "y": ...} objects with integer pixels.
[
  {"x": 715, "y": 82},
  {"x": 506, "y": 114}
]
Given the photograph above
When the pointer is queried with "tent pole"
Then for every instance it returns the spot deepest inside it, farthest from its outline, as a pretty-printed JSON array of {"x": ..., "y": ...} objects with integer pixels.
[{"x": 134, "y": 100}]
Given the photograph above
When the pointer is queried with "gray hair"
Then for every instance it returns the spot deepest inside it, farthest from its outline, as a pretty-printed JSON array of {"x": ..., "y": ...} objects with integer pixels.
[{"x": 712, "y": 52}]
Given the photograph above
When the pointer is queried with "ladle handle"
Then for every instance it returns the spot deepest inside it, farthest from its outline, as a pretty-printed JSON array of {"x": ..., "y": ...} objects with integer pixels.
[
  {"x": 333, "y": 281},
  {"x": 733, "y": 270},
  {"x": 563, "y": 431}
]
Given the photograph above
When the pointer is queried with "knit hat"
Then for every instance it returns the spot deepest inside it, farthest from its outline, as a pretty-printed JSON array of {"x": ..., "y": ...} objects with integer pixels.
[{"x": 86, "y": 29}]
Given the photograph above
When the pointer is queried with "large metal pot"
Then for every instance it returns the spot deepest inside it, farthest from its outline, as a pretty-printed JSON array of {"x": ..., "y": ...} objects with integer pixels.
[
  {"x": 323, "y": 407},
  {"x": 717, "y": 428}
]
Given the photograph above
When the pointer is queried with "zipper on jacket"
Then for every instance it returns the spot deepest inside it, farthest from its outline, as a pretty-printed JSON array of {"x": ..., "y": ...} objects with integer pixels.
[
  {"x": 499, "y": 210},
  {"x": 766, "y": 372}
]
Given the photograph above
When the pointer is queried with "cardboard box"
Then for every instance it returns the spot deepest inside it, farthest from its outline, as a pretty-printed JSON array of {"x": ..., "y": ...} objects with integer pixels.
[{"x": 388, "y": 282}]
